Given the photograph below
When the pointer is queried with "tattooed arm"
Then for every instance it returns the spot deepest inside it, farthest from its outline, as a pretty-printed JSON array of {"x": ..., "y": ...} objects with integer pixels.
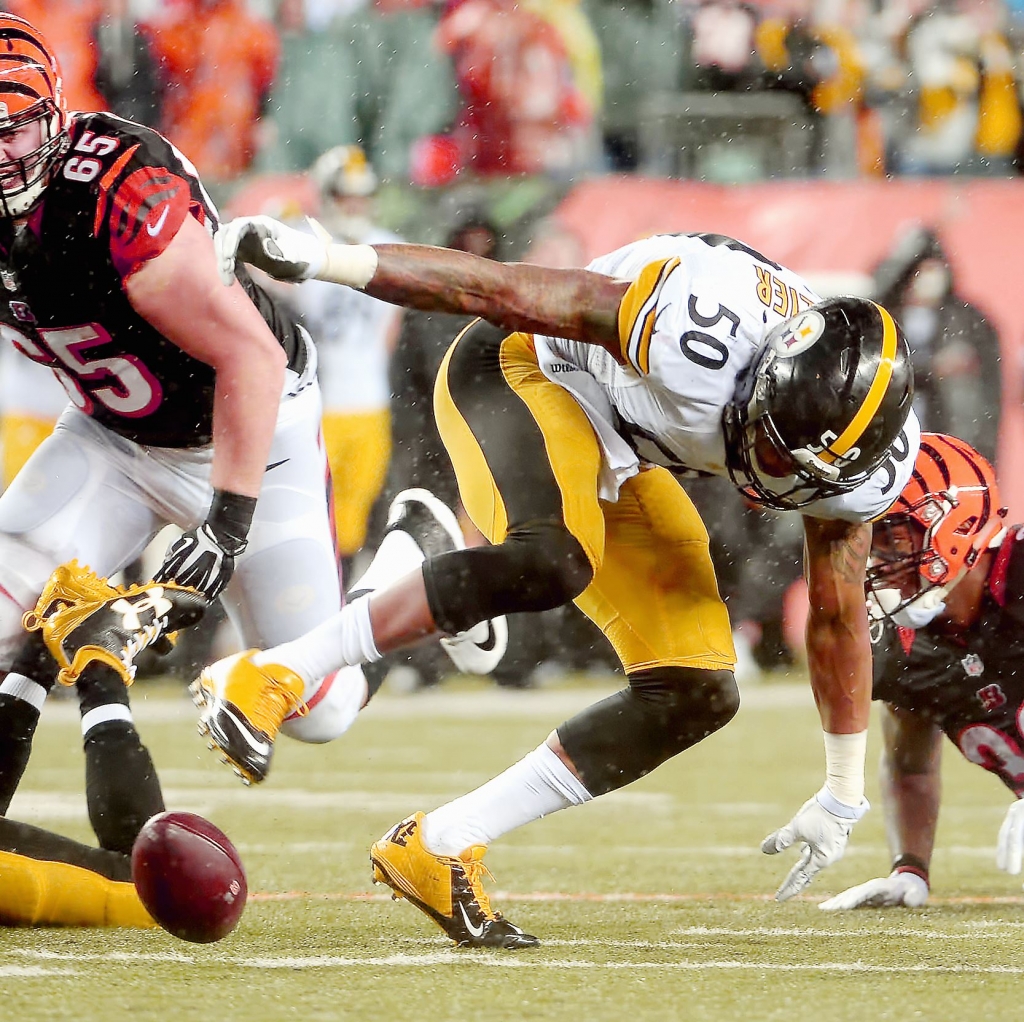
[
  {"x": 577, "y": 304},
  {"x": 838, "y": 647}
]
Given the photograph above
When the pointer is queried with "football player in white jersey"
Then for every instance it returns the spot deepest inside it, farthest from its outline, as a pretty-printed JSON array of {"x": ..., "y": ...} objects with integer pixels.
[
  {"x": 31, "y": 401},
  {"x": 354, "y": 336},
  {"x": 566, "y": 409}
]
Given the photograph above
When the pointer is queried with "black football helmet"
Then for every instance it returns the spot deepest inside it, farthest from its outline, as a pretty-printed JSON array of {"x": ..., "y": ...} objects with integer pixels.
[{"x": 818, "y": 409}]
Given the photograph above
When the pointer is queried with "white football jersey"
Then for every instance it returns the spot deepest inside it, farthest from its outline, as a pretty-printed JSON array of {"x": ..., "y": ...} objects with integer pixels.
[
  {"x": 351, "y": 331},
  {"x": 26, "y": 387},
  {"x": 695, "y": 316}
]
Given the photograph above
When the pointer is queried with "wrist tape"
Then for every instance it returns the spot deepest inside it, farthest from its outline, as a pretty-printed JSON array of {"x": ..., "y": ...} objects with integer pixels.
[
  {"x": 229, "y": 519},
  {"x": 353, "y": 265},
  {"x": 844, "y": 766},
  {"x": 907, "y": 863}
]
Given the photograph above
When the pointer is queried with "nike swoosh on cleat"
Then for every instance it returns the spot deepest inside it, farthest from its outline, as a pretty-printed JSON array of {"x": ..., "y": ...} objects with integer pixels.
[
  {"x": 277, "y": 463},
  {"x": 488, "y": 644},
  {"x": 257, "y": 746},
  {"x": 476, "y": 931}
]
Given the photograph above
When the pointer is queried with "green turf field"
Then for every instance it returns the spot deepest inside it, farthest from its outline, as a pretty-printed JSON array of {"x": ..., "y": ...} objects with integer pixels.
[{"x": 652, "y": 902}]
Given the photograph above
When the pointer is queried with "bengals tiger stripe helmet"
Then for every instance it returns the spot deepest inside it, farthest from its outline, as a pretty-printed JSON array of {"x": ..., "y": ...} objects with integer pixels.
[
  {"x": 30, "y": 92},
  {"x": 952, "y": 506}
]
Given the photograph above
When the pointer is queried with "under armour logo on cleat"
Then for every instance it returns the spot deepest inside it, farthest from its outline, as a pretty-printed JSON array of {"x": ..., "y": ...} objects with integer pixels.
[{"x": 153, "y": 601}]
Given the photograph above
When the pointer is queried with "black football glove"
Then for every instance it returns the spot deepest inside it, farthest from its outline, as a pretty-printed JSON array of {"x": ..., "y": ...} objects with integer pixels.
[{"x": 204, "y": 557}]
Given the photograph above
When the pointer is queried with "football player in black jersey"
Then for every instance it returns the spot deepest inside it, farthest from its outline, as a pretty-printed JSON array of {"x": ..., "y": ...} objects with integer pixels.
[
  {"x": 190, "y": 404},
  {"x": 947, "y": 597}
]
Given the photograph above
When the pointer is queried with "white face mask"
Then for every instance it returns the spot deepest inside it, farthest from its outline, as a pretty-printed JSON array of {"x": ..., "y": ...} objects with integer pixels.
[{"x": 920, "y": 612}]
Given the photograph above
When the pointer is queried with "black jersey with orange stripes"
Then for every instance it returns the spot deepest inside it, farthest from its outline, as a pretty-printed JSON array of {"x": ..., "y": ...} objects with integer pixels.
[
  {"x": 116, "y": 199},
  {"x": 971, "y": 686}
]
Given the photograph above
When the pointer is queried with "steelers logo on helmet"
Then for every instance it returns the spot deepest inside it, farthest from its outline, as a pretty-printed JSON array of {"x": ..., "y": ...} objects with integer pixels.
[
  {"x": 797, "y": 334},
  {"x": 820, "y": 406}
]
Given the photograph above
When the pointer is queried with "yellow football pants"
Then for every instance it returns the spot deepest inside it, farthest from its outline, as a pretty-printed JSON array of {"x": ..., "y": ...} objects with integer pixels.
[
  {"x": 654, "y": 593},
  {"x": 358, "y": 451},
  {"x": 20, "y": 435},
  {"x": 34, "y": 892}
]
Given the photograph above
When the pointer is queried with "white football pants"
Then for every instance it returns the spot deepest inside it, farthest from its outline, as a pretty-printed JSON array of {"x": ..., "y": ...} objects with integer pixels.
[{"x": 91, "y": 495}]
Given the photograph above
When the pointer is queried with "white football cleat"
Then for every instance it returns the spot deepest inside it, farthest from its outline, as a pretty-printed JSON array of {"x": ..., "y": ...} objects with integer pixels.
[
  {"x": 435, "y": 530},
  {"x": 479, "y": 649}
]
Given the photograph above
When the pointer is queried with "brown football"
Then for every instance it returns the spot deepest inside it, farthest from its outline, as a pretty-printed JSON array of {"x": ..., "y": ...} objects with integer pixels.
[{"x": 189, "y": 877}]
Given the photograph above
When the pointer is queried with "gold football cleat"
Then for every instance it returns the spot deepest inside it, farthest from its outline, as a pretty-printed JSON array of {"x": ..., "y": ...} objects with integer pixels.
[
  {"x": 84, "y": 619},
  {"x": 243, "y": 707},
  {"x": 448, "y": 889}
]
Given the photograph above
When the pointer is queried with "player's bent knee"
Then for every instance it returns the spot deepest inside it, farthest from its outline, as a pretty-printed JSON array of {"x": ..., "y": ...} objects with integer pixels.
[
  {"x": 537, "y": 567},
  {"x": 331, "y": 709},
  {"x": 663, "y": 712},
  {"x": 554, "y": 564},
  {"x": 711, "y": 698}
]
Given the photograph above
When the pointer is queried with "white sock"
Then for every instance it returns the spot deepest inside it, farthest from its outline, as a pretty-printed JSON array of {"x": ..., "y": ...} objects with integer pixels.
[
  {"x": 102, "y": 714},
  {"x": 396, "y": 556},
  {"x": 23, "y": 688},
  {"x": 344, "y": 640},
  {"x": 539, "y": 784}
]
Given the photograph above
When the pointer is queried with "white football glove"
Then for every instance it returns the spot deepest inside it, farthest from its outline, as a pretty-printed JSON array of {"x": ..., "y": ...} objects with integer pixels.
[
  {"x": 906, "y": 889},
  {"x": 823, "y": 825},
  {"x": 1010, "y": 845},
  {"x": 282, "y": 252},
  {"x": 479, "y": 649}
]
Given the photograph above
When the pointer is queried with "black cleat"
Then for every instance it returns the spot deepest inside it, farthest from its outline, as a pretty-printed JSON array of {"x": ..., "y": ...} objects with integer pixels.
[{"x": 84, "y": 619}]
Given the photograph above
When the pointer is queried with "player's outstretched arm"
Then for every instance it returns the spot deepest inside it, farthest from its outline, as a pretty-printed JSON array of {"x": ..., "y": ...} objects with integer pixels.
[
  {"x": 839, "y": 659},
  {"x": 910, "y": 781},
  {"x": 576, "y": 304}
]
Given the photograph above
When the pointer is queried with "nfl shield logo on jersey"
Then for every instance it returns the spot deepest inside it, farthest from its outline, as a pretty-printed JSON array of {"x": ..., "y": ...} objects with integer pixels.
[
  {"x": 22, "y": 312},
  {"x": 991, "y": 697},
  {"x": 972, "y": 665}
]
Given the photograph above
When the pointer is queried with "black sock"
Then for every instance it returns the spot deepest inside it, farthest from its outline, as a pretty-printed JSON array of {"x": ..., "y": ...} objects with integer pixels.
[
  {"x": 121, "y": 786},
  {"x": 18, "y": 720},
  {"x": 34, "y": 661},
  {"x": 35, "y": 843}
]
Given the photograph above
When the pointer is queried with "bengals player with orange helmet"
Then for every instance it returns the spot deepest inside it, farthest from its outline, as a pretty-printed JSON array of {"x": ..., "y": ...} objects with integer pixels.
[
  {"x": 189, "y": 404},
  {"x": 946, "y": 597}
]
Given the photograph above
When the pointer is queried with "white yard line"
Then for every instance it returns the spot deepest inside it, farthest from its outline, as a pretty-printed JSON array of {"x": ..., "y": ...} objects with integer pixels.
[
  {"x": 617, "y": 897},
  {"x": 502, "y": 961}
]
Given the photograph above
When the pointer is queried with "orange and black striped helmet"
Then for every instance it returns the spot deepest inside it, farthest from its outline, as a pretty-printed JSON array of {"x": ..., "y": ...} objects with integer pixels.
[
  {"x": 952, "y": 502},
  {"x": 30, "y": 93}
]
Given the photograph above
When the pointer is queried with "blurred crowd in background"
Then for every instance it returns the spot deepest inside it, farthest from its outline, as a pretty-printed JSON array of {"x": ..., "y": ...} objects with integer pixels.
[
  {"x": 435, "y": 88},
  {"x": 461, "y": 122}
]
